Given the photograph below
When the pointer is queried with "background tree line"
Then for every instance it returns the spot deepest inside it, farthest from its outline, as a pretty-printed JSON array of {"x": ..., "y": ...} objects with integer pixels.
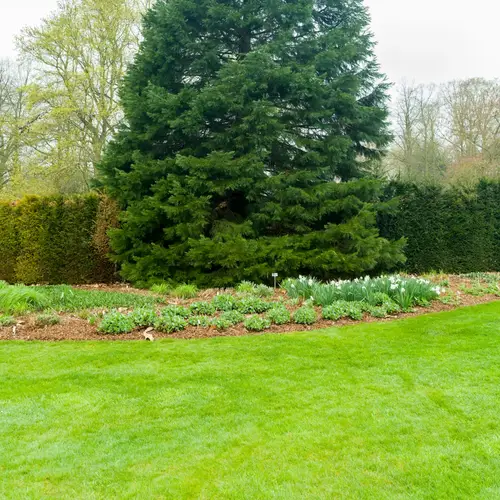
[
  {"x": 59, "y": 102},
  {"x": 59, "y": 107},
  {"x": 447, "y": 133}
]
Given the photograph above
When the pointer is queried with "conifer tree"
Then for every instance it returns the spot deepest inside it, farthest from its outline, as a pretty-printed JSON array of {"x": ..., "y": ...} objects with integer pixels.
[{"x": 248, "y": 126}]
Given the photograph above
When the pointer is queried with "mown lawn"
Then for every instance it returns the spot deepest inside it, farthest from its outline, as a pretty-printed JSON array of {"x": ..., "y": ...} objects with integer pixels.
[{"x": 407, "y": 409}]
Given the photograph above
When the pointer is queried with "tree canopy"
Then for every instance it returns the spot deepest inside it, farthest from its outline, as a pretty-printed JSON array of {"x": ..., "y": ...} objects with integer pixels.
[{"x": 248, "y": 125}]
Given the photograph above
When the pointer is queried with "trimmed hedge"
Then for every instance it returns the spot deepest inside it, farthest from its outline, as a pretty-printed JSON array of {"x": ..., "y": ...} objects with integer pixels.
[
  {"x": 56, "y": 239},
  {"x": 451, "y": 229},
  {"x": 64, "y": 239}
]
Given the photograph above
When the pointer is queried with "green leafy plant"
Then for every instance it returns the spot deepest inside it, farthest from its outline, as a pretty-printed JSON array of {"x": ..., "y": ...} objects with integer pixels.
[
  {"x": 234, "y": 317},
  {"x": 221, "y": 323},
  {"x": 256, "y": 323},
  {"x": 224, "y": 302},
  {"x": 47, "y": 320},
  {"x": 264, "y": 291},
  {"x": 116, "y": 323},
  {"x": 279, "y": 315},
  {"x": 170, "y": 323},
  {"x": 7, "y": 320},
  {"x": 181, "y": 311},
  {"x": 305, "y": 315},
  {"x": 202, "y": 321},
  {"x": 343, "y": 309},
  {"x": 161, "y": 288},
  {"x": 185, "y": 291},
  {"x": 377, "y": 311},
  {"x": 19, "y": 299},
  {"x": 251, "y": 305},
  {"x": 246, "y": 287},
  {"x": 143, "y": 317},
  {"x": 204, "y": 308},
  {"x": 404, "y": 291}
]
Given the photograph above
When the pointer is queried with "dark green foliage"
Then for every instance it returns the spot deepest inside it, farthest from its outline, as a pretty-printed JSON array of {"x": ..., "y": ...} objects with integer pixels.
[
  {"x": 241, "y": 119},
  {"x": 453, "y": 229},
  {"x": 54, "y": 240},
  {"x": 9, "y": 241}
]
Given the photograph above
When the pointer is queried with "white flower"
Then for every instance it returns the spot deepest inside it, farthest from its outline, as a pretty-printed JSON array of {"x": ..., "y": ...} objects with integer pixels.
[
  {"x": 394, "y": 286},
  {"x": 403, "y": 290},
  {"x": 293, "y": 285},
  {"x": 310, "y": 282}
]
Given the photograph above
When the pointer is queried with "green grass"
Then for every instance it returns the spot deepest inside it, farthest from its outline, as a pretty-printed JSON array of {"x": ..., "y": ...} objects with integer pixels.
[
  {"x": 19, "y": 299},
  {"x": 399, "y": 410}
]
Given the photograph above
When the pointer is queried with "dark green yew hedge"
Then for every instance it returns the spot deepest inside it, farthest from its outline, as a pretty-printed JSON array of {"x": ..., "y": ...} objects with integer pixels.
[
  {"x": 452, "y": 229},
  {"x": 63, "y": 239},
  {"x": 55, "y": 240}
]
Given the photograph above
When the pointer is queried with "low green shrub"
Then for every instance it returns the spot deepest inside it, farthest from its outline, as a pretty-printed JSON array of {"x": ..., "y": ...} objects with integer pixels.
[
  {"x": 19, "y": 299},
  {"x": 344, "y": 309},
  {"x": 181, "y": 311},
  {"x": 202, "y": 321},
  {"x": 47, "y": 320},
  {"x": 115, "y": 323},
  {"x": 185, "y": 292},
  {"x": 252, "y": 305},
  {"x": 204, "y": 308},
  {"x": 7, "y": 320},
  {"x": 233, "y": 317},
  {"x": 143, "y": 317},
  {"x": 246, "y": 287},
  {"x": 305, "y": 316},
  {"x": 224, "y": 302},
  {"x": 256, "y": 323},
  {"x": 279, "y": 315},
  {"x": 170, "y": 324},
  {"x": 378, "y": 311},
  {"x": 221, "y": 323},
  {"x": 161, "y": 288},
  {"x": 264, "y": 291}
]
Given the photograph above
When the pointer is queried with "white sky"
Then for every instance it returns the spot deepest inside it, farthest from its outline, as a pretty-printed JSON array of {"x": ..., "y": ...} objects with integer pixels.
[{"x": 422, "y": 41}]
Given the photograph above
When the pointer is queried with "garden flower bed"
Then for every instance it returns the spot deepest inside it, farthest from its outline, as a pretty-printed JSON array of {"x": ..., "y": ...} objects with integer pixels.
[{"x": 120, "y": 312}]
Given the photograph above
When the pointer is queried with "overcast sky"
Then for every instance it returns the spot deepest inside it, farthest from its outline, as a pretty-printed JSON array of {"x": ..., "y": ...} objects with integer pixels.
[{"x": 418, "y": 40}]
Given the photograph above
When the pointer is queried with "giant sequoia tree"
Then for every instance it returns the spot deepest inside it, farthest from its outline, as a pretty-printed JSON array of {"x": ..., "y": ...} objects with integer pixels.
[{"x": 247, "y": 125}]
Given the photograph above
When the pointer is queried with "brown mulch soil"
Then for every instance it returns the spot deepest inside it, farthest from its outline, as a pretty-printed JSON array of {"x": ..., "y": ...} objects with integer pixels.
[{"x": 74, "y": 328}]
